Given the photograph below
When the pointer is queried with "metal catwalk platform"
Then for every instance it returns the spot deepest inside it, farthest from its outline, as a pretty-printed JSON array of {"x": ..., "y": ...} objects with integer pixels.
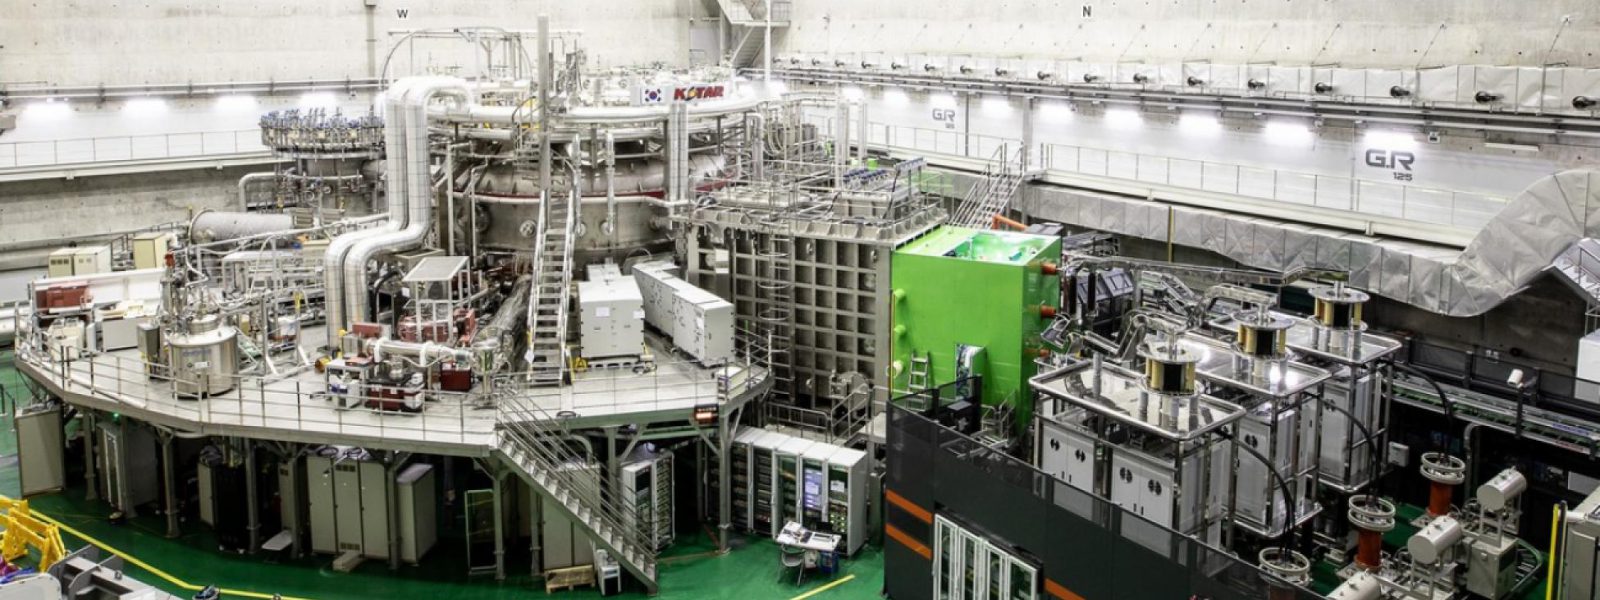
[{"x": 296, "y": 408}]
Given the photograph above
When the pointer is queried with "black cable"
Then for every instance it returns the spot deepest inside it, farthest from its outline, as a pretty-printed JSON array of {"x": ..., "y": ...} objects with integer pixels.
[
  {"x": 1283, "y": 486},
  {"x": 1449, "y": 407}
]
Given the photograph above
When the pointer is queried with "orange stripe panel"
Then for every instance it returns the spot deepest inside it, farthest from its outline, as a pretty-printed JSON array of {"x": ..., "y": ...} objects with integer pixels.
[
  {"x": 919, "y": 512},
  {"x": 1055, "y": 589},
  {"x": 909, "y": 542}
]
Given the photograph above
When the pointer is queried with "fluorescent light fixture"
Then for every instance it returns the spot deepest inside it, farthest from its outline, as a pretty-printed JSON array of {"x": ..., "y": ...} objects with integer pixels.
[
  {"x": 319, "y": 100},
  {"x": 236, "y": 103},
  {"x": 145, "y": 106},
  {"x": 1390, "y": 140},
  {"x": 896, "y": 97},
  {"x": 997, "y": 105},
  {"x": 1200, "y": 123},
  {"x": 852, "y": 93},
  {"x": 1124, "y": 118},
  {"x": 942, "y": 100},
  {"x": 1288, "y": 133},
  {"x": 1512, "y": 147},
  {"x": 1056, "y": 110},
  {"x": 51, "y": 109}
]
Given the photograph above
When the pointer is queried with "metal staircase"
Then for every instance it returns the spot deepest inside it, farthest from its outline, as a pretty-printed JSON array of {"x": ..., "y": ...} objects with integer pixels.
[
  {"x": 552, "y": 278},
  {"x": 532, "y": 442},
  {"x": 1003, "y": 175},
  {"x": 749, "y": 17}
]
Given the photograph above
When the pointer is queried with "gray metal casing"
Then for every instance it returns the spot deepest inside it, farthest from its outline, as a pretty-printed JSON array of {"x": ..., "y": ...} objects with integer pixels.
[
  {"x": 40, "y": 463},
  {"x": 611, "y": 313},
  {"x": 415, "y": 501},
  {"x": 375, "y": 523}
]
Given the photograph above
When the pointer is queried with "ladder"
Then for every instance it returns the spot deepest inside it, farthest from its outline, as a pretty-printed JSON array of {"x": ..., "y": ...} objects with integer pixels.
[
  {"x": 552, "y": 278},
  {"x": 775, "y": 283},
  {"x": 921, "y": 374},
  {"x": 1003, "y": 175}
]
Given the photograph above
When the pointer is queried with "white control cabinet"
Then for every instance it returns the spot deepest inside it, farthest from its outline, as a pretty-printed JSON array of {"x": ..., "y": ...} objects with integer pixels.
[
  {"x": 698, "y": 321},
  {"x": 611, "y": 313}
]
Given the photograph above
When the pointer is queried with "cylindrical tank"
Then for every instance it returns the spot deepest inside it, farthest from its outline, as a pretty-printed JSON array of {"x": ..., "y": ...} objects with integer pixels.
[
  {"x": 1362, "y": 586},
  {"x": 1498, "y": 493},
  {"x": 213, "y": 225},
  {"x": 204, "y": 357},
  {"x": 1435, "y": 541}
]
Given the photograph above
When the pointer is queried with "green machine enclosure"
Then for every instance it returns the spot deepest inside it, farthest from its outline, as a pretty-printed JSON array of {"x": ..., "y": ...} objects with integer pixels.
[{"x": 997, "y": 290}]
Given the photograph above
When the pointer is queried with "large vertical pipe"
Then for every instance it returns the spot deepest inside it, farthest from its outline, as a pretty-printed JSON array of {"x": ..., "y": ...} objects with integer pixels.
[
  {"x": 766, "y": 45},
  {"x": 863, "y": 131},
  {"x": 841, "y": 141},
  {"x": 545, "y": 81}
]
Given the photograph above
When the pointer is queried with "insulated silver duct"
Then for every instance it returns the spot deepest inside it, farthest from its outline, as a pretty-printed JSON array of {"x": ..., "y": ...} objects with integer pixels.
[
  {"x": 216, "y": 226},
  {"x": 1514, "y": 248},
  {"x": 424, "y": 352},
  {"x": 334, "y": 259},
  {"x": 409, "y": 110}
]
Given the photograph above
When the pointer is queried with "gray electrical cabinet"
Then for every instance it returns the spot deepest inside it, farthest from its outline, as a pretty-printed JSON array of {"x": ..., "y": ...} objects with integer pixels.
[
  {"x": 419, "y": 518},
  {"x": 320, "y": 505},
  {"x": 128, "y": 469},
  {"x": 347, "y": 506},
  {"x": 1581, "y": 575},
  {"x": 39, "y": 449},
  {"x": 374, "y": 509},
  {"x": 207, "y": 485},
  {"x": 290, "y": 500}
]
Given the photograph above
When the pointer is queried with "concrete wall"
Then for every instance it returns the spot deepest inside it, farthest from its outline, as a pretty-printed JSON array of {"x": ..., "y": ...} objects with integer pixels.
[
  {"x": 41, "y": 215},
  {"x": 1348, "y": 32},
  {"x": 162, "y": 41}
]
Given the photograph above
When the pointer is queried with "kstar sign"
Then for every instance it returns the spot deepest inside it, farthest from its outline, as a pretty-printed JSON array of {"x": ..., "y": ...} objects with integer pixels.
[{"x": 690, "y": 93}]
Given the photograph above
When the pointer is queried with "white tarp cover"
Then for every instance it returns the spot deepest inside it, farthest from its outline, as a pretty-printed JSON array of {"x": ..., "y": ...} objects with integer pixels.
[{"x": 1514, "y": 248}]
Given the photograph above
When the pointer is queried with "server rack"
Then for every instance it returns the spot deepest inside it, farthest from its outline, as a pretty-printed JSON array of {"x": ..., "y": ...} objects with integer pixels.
[{"x": 786, "y": 482}]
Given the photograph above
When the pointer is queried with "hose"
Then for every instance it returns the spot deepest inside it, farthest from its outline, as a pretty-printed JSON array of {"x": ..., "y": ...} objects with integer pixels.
[{"x": 1449, "y": 407}]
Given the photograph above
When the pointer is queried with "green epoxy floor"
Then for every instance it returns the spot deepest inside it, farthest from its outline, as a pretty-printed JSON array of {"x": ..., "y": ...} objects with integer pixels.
[{"x": 688, "y": 570}]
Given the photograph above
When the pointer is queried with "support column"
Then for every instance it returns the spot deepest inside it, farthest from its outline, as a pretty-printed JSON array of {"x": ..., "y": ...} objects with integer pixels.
[
  {"x": 168, "y": 481},
  {"x": 863, "y": 133},
  {"x": 90, "y": 429},
  {"x": 297, "y": 468},
  {"x": 841, "y": 142},
  {"x": 1028, "y": 106},
  {"x": 499, "y": 526},
  {"x": 252, "y": 499},
  {"x": 724, "y": 482},
  {"x": 613, "y": 474}
]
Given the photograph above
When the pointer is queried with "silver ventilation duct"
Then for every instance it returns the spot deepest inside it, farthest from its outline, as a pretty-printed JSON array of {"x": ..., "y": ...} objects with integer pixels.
[
  {"x": 413, "y": 171},
  {"x": 1521, "y": 242},
  {"x": 344, "y": 268}
]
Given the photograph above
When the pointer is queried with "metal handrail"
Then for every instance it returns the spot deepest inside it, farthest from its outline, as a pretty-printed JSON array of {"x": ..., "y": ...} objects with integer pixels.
[
  {"x": 540, "y": 443},
  {"x": 1334, "y": 192},
  {"x": 88, "y": 150}
]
